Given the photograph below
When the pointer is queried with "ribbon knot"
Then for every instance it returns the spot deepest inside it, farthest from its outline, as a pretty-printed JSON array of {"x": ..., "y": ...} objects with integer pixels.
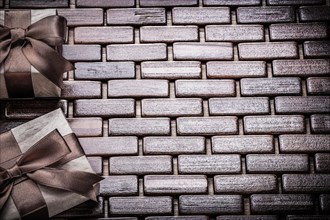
[
  {"x": 17, "y": 34},
  {"x": 40, "y": 38},
  {"x": 36, "y": 163},
  {"x": 14, "y": 172}
]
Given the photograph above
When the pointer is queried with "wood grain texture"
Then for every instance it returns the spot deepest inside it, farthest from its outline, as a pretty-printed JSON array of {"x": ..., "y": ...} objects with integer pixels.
[
  {"x": 38, "y": 4},
  {"x": 104, "y": 70},
  {"x": 174, "y": 185},
  {"x": 104, "y": 108},
  {"x": 105, "y": 3},
  {"x": 173, "y": 145},
  {"x": 137, "y": 52},
  {"x": 103, "y": 35},
  {"x": 82, "y": 52},
  {"x": 211, "y": 204},
  {"x": 141, "y": 205},
  {"x": 109, "y": 146},
  {"x": 84, "y": 127},
  {"x": 171, "y": 69},
  {"x": 82, "y": 17},
  {"x": 136, "y": 16}
]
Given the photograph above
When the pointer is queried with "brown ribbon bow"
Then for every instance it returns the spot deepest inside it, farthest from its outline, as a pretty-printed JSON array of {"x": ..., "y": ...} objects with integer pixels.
[
  {"x": 35, "y": 164},
  {"x": 39, "y": 38}
]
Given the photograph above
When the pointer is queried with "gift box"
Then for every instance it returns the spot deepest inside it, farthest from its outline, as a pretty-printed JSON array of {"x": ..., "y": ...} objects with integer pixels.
[
  {"x": 31, "y": 64},
  {"x": 43, "y": 169}
]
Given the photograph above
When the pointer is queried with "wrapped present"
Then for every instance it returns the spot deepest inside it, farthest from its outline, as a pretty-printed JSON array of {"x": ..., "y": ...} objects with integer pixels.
[
  {"x": 43, "y": 169},
  {"x": 31, "y": 64}
]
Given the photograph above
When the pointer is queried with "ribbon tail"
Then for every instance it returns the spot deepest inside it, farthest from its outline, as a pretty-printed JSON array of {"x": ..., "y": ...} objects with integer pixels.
[
  {"x": 5, "y": 194},
  {"x": 5, "y": 43},
  {"x": 46, "y": 60},
  {"x": 4, "y": 50},
  {"x": 78, "y": 182}
]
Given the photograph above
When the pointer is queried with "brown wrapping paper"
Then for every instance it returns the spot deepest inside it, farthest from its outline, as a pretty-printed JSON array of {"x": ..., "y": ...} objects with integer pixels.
[
  {"x": 42, "y": 87},
  {"x": 29, "y": 134}
]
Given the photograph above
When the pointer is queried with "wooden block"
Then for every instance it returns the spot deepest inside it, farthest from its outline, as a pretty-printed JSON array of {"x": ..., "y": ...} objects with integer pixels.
[
  {"x": 138, "y": 88},
  {"x": 275, "y": 124},
  {"x": 234, "y": 33},
  {"x": 167, "y": 3},
  {"x": 168, "y": 34},
  {"x": 171, "y": 70},
  {"x": 137, "y": 52},
  {"x": 103, "y": 35},
  {"x": 268, "y": 50},
  {"x": 206, "y": 88},
  {"x": 231, "y": 2},
  {"x": 317, "y": 49},
  {"x": 211, "y": 204},
  {"x": 136, "y": 16},
  {"x": 141, "y": 165},
  {"x": 307, "y": 217},
  {"x": 38, "y": 4},
  {"x": 173, "y": 145},
  {"x": 306, "y": 183},
  {"x": 181, "y": 217},
  {"x": 139, "y": 126},
  {"x": 247, "y": 217},
  {"x": 281, "y": 203},
  {"x": 96, "y": 164},
  {"x": 314, "y": 13},
  {"x": 119, "y": 186},
  {"x": 81, "y": 89},
  {"x": 302, "y": 68},
  {"x": 141, "y": 205},
  {"x": 82, "y": 52},
  {"x": 235, "y": 69},
  {"x": 270, "y": 86},
  {"x": 174, "y": 185},
  {"x": 277, "y": 163},
  {"x": 318, "y": 85},
  {"x": 302, "y": 104},
  {"x": 82, "y": 17},
  {"x": 84, "y": 127},
  {"x": 246, "y": 144},
  {"x": 301, "y": 31},
  {"x": 304, "y": 143},
  {"x": 325, "y": 203},
  {"x": 245, "y": 184},
  {"x": 239, "y": 106},
  {"x": 320, "y": 123},
  {"x": 201, "y": 16},
  {"x": 271, "y": 14},
  {"x": 207, "y": 125},
  {"x": 295, "y": 2},
  {"x": 322, "y": 162},
  {"x": 104, "y": 107},
  {"x": 104, "y": 70},
  {"x": 172, "y": 107},
  {"x": 209, "y": 164},
  {"x": 109, "y": 146},
  {"x": 105, "y": 3},
  {"x": 203, "y": 51}
]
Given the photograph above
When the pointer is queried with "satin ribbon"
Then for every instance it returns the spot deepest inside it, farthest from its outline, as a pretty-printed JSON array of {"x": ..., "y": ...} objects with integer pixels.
[
  {"x": 39, "y": 38},
  {"x": 35, "y": 164}
]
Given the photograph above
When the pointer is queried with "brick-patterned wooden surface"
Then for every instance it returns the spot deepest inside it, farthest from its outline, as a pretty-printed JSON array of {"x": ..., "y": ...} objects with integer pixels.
[{"x": 196, "y": 109}]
